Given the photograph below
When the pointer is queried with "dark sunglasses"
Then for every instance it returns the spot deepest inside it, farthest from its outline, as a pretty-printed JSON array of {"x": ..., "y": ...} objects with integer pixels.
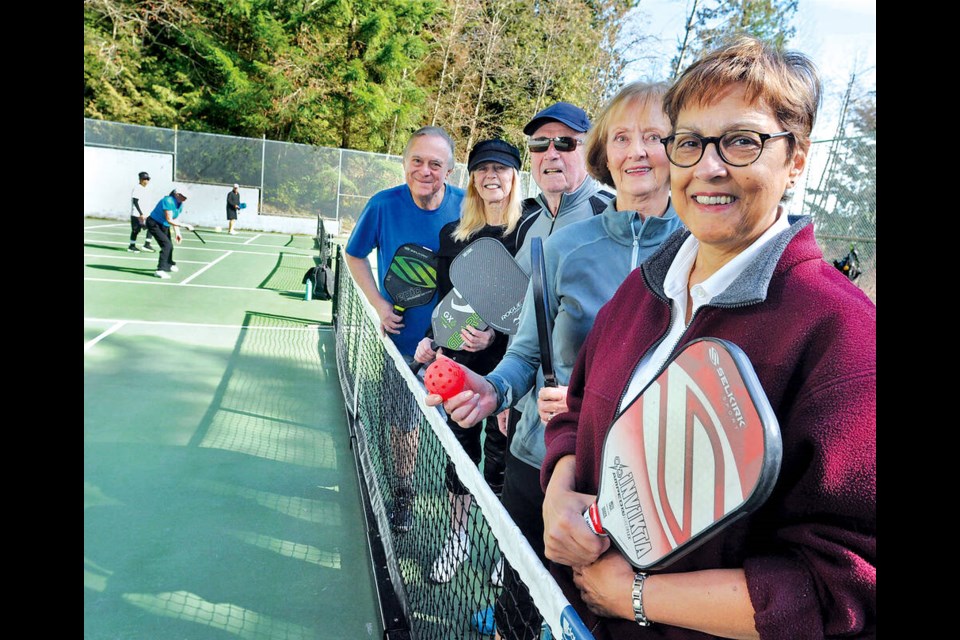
[{"x": 560, "y": 143}]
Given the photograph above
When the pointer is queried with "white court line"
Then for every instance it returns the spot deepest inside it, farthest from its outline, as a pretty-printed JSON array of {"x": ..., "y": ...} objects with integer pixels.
[
  {"x": 234, "y": 244},
  {"x": 309, "y": 327},
  {"x": 116, "y": 326},
  {"x": 107, "y": 226},
  {"x": 157, "y": 282},
  {"x": 142, "y": 256},
  {"x": 252, "y": 239},
  {"x": 187, "y": 281}
]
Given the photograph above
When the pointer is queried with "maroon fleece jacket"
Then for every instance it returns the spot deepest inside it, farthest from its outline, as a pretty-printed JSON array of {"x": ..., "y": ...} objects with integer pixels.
[{"x": 809, "y": 552}]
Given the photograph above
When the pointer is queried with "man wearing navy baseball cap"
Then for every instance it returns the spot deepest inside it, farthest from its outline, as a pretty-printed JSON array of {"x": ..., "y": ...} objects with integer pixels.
[
  {"x": 558, "y": 166},
  {"x": 567, "y": 195}
]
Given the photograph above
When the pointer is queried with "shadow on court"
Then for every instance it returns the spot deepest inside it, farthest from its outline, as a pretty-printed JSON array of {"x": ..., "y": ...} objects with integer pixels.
[
  {"x": 109, "y": 267},
  {"x": 108, "y": 247},
  {"x": 287, "y": 274},
  {"x": 220, "y": 496}
]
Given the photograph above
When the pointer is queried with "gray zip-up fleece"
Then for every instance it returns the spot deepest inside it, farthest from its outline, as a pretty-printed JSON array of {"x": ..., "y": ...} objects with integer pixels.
[
  {"x": 585, "y": 264},
  {"x": 586, "y": 201}
]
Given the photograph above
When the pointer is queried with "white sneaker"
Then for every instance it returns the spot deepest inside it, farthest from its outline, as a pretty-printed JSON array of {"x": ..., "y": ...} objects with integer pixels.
[
  {"x": 455, "y": 551},
  {"x": 174, "y": 268},
  {"x": 496, "y": 576},
  {"x": 232, "y": 232},
  {"x": 163, "y": 275}
]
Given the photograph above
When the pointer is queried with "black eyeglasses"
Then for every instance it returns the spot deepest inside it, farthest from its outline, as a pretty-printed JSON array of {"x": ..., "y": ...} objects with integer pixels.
[
  {"x": 737, "y": 148},
  {"x": 560, "y": 143}
]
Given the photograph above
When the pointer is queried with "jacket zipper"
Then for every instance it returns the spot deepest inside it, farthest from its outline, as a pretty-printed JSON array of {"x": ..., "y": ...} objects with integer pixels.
[
  {"x": 559, "y": 209},
  {"x": 679, "y": 340}
]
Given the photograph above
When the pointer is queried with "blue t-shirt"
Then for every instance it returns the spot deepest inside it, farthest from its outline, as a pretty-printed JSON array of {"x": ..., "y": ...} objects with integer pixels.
[
  {"x": 167, "y": 203},
  {"x": 391, "y": 219}
]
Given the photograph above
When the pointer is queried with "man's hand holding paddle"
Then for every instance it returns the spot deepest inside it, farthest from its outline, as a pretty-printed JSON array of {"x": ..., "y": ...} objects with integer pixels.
[
  {"x": 390, "y": 322},
  {"x": 551, "y": 401}
]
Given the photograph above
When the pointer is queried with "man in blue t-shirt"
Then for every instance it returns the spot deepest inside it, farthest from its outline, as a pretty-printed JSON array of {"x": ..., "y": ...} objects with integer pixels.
[
  {"x": 161, "y": 224},
  {"x": 412, "y": 212}
]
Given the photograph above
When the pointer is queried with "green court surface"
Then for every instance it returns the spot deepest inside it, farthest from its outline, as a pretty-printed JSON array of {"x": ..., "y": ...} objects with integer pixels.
[{"x": 220, "y": 491}]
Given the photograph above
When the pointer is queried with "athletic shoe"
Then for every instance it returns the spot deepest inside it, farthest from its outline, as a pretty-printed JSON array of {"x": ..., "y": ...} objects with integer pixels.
[
  {"x": 232, "y": 232},
  {"x": 484, "y": 623},
  {"x": 174, "y": 268},
  {"x": 163, "y": 275},
  {"x": 496, "y": 576},
  {"x": 133, "y": 249},
  {"x": 148, "y": 247},
  {"x": 455, "y": 550}
]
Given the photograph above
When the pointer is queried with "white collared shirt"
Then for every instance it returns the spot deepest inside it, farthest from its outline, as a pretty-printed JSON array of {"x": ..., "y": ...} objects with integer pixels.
[{"x": 675, "y": 286}]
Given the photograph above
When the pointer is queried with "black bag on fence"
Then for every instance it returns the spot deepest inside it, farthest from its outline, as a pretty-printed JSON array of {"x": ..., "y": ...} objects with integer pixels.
[
  {"x": 322, "y": 278},
  {"x": 849, "y": 264}
]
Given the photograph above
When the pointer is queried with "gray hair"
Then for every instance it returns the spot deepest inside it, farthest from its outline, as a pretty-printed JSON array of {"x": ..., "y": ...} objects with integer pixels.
[{"x": 431, "y": 131}]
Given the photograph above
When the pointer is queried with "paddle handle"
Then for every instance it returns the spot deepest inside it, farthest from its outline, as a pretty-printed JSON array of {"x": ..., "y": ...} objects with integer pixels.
[
  {"x": 416, "y": 366},
  {"x": 592, "y": 518}
]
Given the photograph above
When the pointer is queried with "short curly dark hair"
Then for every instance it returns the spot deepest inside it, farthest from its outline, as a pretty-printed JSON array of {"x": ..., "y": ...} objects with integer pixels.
[{"x": 787, "y": 81}]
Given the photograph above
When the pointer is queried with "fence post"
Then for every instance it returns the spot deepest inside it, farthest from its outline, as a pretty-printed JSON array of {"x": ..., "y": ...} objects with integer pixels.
[
  {"x": 339, "y": 180},
  {"x": 174, "y": 153},
  {"x": 263, "y": 164}
]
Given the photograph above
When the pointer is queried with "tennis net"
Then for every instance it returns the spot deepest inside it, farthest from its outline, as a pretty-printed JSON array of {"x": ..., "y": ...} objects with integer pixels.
[{"x": 403, "y": 449}]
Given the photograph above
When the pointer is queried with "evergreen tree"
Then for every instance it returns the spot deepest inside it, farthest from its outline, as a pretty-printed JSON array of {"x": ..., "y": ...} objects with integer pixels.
[{"x": 712, "y": 23}]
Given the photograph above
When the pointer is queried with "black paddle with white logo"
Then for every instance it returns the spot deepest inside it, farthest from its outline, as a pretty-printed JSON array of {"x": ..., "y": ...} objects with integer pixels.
[
  {"x": 492, "y": 282},
  {"x": 538, "y": 279}
]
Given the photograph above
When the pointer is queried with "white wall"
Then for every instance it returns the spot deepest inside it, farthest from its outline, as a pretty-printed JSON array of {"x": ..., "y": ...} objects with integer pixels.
[{"x": 109, "y": 176}]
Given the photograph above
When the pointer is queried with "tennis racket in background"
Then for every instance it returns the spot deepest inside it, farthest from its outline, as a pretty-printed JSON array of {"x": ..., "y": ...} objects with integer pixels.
[
  {"x": 538, "y": 279},
  {"x": 697, "y": 450},
  {"x": 411, "y": 278},
  {"x": 491, "y": 282}
]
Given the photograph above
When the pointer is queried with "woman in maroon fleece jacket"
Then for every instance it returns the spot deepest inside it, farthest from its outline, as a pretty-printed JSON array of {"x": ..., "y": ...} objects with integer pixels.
[{"x": 804, "y": 564}]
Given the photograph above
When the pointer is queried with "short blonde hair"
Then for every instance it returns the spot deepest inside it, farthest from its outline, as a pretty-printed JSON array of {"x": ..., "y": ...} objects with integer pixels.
[
  {"x": 472, "y": 218},
  {"x": 786, "y": 81},
  {"x": 596, "y": 143}
]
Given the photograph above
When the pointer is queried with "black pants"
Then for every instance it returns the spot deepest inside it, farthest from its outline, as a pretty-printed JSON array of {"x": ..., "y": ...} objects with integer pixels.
[
  {"x": 135, "y": 228},
  {"x": 162, "y": 235},
  {"x": 494, "y": 448},
  {"x": 515, "y": 613}
]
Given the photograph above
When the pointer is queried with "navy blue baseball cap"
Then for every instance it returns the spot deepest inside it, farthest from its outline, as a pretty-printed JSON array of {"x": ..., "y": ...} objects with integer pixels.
[
  {"x": 494, "y": 151},
  {"x": 563, "y": 112}
]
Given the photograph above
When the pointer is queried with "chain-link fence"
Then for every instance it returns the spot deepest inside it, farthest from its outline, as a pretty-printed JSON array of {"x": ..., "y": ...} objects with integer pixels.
[
  {"x": 295, "y": 180},
  {"x": 840, "y": 193},
  {"x": 838, "y": 188}
]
